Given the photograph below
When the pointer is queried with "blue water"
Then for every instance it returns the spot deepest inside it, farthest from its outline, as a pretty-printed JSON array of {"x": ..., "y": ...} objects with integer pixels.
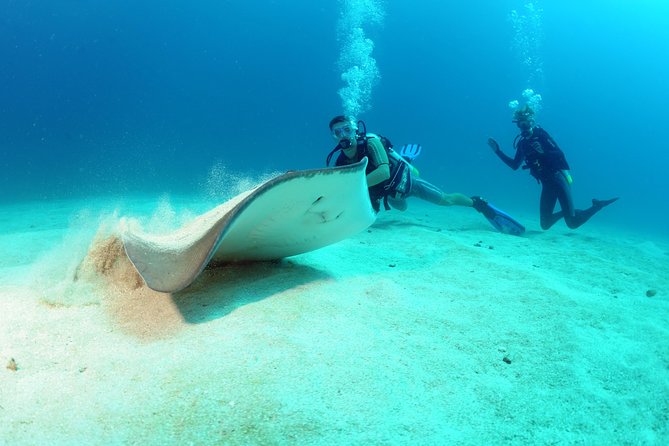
[{"x": 129, "y": 97}]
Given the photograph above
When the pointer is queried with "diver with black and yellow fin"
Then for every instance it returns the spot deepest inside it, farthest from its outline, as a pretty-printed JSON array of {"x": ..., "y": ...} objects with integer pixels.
[
  {"x": 548, "y": 165},
  {"x": 392, "y": 177}
]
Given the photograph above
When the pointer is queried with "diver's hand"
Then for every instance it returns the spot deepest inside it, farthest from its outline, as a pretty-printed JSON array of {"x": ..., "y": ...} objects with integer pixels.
[{"x": 493, "y": 145}]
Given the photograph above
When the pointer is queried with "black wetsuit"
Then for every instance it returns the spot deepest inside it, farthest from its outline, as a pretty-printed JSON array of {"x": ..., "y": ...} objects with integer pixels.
[{"x": 548, "y": 165}]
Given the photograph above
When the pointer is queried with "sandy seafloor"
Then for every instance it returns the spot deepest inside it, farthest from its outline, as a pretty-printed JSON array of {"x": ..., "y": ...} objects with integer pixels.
[{"x": 429, "y": 329}]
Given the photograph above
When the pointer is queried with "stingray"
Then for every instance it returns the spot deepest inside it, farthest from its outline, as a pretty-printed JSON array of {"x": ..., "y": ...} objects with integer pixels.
[{"x": 294, "y": 213}]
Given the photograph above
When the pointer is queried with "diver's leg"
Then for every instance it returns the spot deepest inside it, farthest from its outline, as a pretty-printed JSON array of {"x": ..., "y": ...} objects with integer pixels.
[
  {"x": 572, "y": 217},
  {"x": 429, "y": 192},
  {"x": 581, "y": 216},
  {"x": 456, "y": 199},
  {"x": 547, "y": 204},
  {"x": 576, "y": 217}
]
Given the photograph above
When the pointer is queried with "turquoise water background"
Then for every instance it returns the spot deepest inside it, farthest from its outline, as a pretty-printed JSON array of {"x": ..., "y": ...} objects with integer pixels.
[{"x": 113, "y": 98}]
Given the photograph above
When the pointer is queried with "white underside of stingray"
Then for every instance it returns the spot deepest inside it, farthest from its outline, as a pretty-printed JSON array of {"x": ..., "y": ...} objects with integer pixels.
[{"x": 294, "y": 213}]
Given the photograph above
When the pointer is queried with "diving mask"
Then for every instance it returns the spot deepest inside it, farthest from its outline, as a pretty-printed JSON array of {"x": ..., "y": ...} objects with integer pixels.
[
  {"x": 525, "y": 126},
  {"x": 343, "y": 132}
]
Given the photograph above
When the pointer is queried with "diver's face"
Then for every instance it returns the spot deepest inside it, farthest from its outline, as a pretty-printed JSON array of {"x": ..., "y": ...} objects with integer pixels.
[
  {"x": 525, "y": 127},
  {"x": 344, "y": 133}
]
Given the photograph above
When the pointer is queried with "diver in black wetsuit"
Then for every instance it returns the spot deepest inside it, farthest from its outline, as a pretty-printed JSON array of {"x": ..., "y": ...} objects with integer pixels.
[{"x": 548, "y": 165}]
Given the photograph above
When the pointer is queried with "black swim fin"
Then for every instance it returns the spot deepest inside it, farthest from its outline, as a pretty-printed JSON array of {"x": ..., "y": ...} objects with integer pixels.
[
  {"x": 598, "y": 204},
  {"x": 502, "y": 221}
]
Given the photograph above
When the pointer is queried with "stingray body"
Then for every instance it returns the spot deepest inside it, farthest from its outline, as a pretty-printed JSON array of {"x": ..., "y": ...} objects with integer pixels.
[{"x": 294, "y": 213}]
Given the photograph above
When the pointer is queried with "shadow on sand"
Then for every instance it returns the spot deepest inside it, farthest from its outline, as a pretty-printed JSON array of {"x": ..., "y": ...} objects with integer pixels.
[
  {"x": 148, "y": 314},
  {"x": 393, "y": 224},
  {"x": 221, "y": 289}
]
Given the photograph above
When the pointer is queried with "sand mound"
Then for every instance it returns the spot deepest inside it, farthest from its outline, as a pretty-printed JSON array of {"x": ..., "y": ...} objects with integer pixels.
[
  {"x": 134, "y": 307},
  {"x": 106, "y": 259}
]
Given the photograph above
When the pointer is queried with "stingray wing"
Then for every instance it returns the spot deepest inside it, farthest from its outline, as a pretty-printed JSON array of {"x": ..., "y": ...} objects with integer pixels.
[{"x": 296, "y": 212}]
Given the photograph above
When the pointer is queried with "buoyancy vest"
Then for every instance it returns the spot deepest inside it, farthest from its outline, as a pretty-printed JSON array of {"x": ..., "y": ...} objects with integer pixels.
[
  {"x": 541, "y": 154},
  {"x": 399, "y": 182}
]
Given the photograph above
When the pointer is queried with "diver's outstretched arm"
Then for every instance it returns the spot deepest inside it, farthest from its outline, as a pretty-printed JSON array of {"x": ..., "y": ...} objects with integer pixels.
[{"x": 513, "y": 163}]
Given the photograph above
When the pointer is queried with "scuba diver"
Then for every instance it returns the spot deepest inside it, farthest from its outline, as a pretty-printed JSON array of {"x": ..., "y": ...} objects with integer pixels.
[
  {"x": 547, "y": 163},
  {"x": 392, "y": 178}
]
